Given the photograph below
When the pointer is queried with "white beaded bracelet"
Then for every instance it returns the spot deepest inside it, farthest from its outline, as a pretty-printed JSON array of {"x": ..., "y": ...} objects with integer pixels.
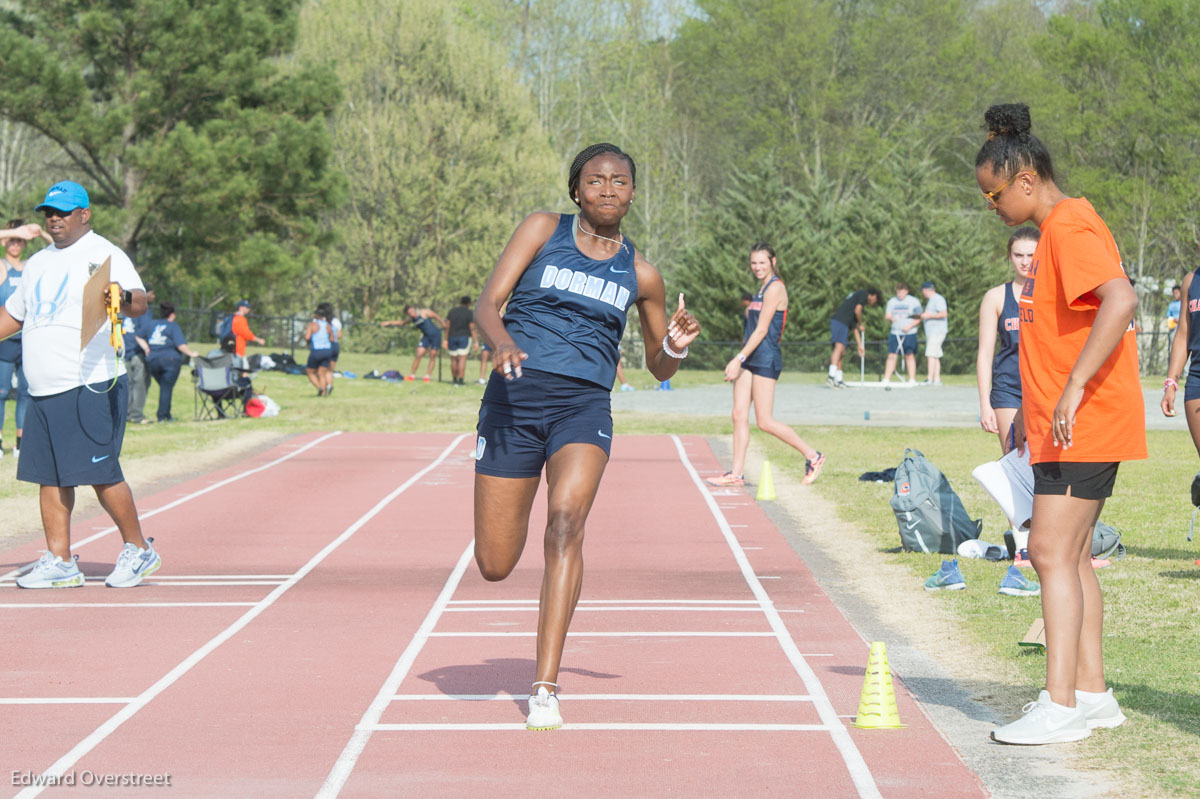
[{"x": 670, "y": 352}]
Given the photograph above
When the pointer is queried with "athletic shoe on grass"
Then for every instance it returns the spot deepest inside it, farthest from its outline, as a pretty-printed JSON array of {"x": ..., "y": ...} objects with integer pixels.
[
  {"x": 1101, "y": 710},
  {"x": 1017, "y": 584},
  {"x": 1044, "y": 723},
  {"x": 727, "y": 479},
  {"x": 425, "y": 378},
  {"x": 813, "y": 468},
  {"x": 133, "y": 565},
  {"x": 482, "y": 382},
  {"x": 831, "y": 381},
  {"x": 1021, "y": 561},
  {"x": 51, "y": 571},
  {"x": 947, "y": 578},
  {"x": 543, "y": 710}
]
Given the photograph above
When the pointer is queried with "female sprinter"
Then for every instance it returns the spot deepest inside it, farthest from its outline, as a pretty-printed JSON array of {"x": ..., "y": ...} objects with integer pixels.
[
  {"x": 431, "y": 336},
  {"x": 568, "y": 280},
  {"x": 755, "y": 370},
  {"x": 1187, "y": 345},
  {"x": 1081, "y": 415},
  {"x": 1000, "y": 378}
]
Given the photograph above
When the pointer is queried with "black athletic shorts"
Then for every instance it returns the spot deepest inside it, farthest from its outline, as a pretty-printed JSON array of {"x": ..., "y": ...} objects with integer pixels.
[{"x": 1085, "y": 480}]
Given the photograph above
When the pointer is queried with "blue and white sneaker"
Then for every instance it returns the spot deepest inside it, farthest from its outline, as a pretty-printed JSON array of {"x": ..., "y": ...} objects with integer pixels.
[
  {"x": 52, "y": 571},
  {"x": 947, "y": 578},
  {"x": 1015, "y": 583},
  {"x": 133, "y": 565}
]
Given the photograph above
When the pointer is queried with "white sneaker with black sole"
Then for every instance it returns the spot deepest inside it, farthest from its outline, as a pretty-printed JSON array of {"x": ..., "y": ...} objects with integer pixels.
[
  {"x": 51, "y": 571},
  {"x": 134, "y": 565},
  {"x": 1101, "y": 710},
  {"x": 1044, "y": 722},
  {"x": 543, "y": 709}
]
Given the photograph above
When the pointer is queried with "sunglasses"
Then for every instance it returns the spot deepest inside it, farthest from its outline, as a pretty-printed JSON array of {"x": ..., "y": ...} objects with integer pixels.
[{"x": 993, "y": 196}]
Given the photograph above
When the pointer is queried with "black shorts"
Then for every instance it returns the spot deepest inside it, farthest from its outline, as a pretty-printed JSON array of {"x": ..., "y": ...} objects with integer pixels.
[
  {"x": 74, "y": 438},
  {"x": 319, "y": 358},
  {"x": 1085, "y": 480}
]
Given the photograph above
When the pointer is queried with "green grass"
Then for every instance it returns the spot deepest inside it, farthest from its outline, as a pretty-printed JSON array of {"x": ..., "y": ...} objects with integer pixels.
[{"x": 1152, "y": 645}]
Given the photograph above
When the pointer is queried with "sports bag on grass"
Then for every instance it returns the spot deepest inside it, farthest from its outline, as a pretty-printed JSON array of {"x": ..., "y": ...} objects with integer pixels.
[{"x": 930, "y": 515}]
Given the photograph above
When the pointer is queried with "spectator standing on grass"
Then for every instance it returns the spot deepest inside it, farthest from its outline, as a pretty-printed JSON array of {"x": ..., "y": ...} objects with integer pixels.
[
  {"x": 1081, "y": 415},
  {"x": 78, "y": 398},
  {"x": 242, "y": 332},
  {"x": 166, "y": 350},
  {"x": 12, "y": 376},
  {"x": 937, "y": 325},
  {"x": 319, "y": 335},
  {"x": 847, "y": 317},
  {"x": 460, "y": 336},
  {"x": 134, "y": 330},
  {"x": 335, "y": 335},
  {"x": 904, "y": 312},
  {"x": 1173, "y": 309}
]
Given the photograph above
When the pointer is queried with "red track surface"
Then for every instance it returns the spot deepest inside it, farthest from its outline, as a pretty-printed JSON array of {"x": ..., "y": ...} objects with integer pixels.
[{"x": 361, "y": 654}]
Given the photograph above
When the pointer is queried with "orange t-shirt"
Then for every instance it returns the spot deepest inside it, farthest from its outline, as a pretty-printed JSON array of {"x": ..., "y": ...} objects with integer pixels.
[
  {"x": 241, "y": 334},
  {"x": 1075, "y": 255}
]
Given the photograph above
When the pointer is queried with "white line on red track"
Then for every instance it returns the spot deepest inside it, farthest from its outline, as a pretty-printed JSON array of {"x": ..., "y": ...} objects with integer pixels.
[
  {"x": 98, "y": 735},
  {"x": 655, "y": 634},
  {"x": 24, "y": 605},
  {"x": 67, "y": 700},
  {"x": 611, "y": 601},
  {"x": 96, "y": 582},
  {"x": 864, "y": 782},
  {"x": 615, "y": 726},
  {"x": 610, "y": 697},
  {"x": 176, "y": 503},
  {"x": 597, "y": 608}
]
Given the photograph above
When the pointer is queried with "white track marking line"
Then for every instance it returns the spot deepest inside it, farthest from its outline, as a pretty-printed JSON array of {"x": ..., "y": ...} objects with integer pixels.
[
  {"x": 67, "y": 700},
  {"x": 370, "y": 717},
  {"x": 23, "y": 605},
  {"x": 176, "y": 503},
  {"x": 97, "y": 582},
  {"x": 610, "y": 726},
  {"x": 864, "y": 782},
  {"x": 753, "y": 602},
  {"x": 609, "y": 634},
  {"x": 607, "y": 698},
  {"x": 68, "y": 760},
  {"x": 615, "y": 608}
]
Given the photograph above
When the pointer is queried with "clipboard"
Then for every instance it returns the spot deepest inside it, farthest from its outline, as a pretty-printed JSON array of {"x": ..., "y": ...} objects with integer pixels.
[{"x": 95, "y": 310}]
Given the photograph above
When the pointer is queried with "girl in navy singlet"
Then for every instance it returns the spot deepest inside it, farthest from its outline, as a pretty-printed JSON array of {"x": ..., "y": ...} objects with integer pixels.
[
  {"x": 1187, "y": 345},
  {"x": 999, "y": 377},
  {"x": 756, "y": 368},
  {"x": 569, "y": 280},
  {"x": 431, "y": 336}
]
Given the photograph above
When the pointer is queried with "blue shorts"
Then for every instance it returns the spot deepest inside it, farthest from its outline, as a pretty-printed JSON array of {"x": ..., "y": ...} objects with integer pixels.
[
  {"x": 772, "y": 371},
  {"x": 483, "y": 346},
  {"x": 458, "y": 344},
  {"x": 319, "y": 358},
  {"x": 523, "y": 422},
  {"x": 839, "y": 332},
  {"x": 431, "y": 342},
  {"x": 1004, "y": 398},
  {"x": 74, "y": 438},
  {"x": 906, "y": 343},
  {"x": 1191, "y": 389},
  {"x": 335, "y": 350}
]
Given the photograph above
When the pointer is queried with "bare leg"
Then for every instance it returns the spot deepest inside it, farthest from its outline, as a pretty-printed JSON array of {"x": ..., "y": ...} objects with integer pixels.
[
  {"x": 417, "y": 361},
  {"x": 1004, "y": 420},
  {"x": 1191, "y": 410},
  {"x": 835, "y": 357},
  {"x": 117, "y": 499},
  {"x": 741, "y": 421},
  {"x": 889, "y": 367},
  {"x": 1060, "y": 551},
  {"x": 57, "y": 504},
  {"x": 935, "y": 369},
  {"x": 763, "y": 394},
  {"x": 484, "y": 357},
  {"x": 572, "y": 478},
  {"x": 502, "y": 507},
  {"x": 325, "y": 375},
  {"x": 910, "y": 362},
  {"x": 313, "y": 378},
  {"x": 433, "y": 354}
]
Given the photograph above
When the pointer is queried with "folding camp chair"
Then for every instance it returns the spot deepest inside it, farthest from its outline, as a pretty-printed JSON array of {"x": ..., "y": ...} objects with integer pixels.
[{"x": 218, "y": 392}]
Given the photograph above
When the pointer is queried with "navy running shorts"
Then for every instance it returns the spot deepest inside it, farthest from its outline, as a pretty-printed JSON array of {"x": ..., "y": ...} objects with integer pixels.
[
  {"x": 906, "y": 343},
  {"x": 319, "y": 358},
  {"x": 1191, "y": 389},
  {"x": 771, "y": 371},
  {"x": 523, "y": 422},
  {"x": 432, "y": 341},
  {"x": 1004, "y": 398},
  {"x": 839, "y": 332},
  {"x": 1086, "y": 480},
  {"x": 458, "y": 345},
  {"x": 74, "y": 438}
]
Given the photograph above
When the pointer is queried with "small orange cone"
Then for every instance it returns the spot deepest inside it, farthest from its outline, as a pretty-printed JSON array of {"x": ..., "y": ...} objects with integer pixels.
[
  {"x": 766, "y": 485},
  {"x": 877, "y": 705}
]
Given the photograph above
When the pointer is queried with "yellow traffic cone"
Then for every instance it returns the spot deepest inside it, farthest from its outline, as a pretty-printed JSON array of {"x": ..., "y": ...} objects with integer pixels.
[
  {"x": 766, "y": 486},
  {"x": 877, "y": 705}
]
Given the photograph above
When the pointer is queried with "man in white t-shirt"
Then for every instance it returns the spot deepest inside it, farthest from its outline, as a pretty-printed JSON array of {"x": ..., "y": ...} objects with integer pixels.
[
  {"x": 937, "y": 324},
  {"x": 78, "y": 396}
]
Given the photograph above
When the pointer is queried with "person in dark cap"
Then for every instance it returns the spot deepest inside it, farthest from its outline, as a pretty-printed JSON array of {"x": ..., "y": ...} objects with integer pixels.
[{"x": 241, "y": 329}]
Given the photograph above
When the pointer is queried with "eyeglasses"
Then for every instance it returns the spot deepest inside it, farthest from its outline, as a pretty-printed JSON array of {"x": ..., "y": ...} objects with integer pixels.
[
  {"x": 52, "y": 212},
  {"x": 993, "y": 196}
]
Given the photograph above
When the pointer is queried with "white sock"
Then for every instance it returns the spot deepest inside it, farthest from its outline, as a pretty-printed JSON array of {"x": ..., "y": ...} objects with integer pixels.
[
  {"x": 839, "y": 375},
  {"x": 1090, "y": 696},
  {"x": 833, "y": 371}
]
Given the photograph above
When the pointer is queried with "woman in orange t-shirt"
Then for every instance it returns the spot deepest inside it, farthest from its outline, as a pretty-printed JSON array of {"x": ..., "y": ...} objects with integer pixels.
[{"x": 1081, "y": 415}]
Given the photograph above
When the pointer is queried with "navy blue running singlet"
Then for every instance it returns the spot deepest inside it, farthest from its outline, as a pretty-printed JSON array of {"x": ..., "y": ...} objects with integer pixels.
[
  {"x": 567, "y": 312},
  {"x": 769, "y": 352},
  {"x": 1006, "y": 368},
  {"x": 427, "y": 326},
  {"x": 1193, "y": 311}
]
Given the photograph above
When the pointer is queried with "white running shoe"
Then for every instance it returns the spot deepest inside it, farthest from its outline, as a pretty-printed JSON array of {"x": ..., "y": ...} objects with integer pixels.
[
  {"x": 1044, "y": 722},
  {"x": 1104, "y": 712},
  {"x": 133, "y": 565},
  {"x": 543, "y": 710},
  {"x": 51, "y": 571}
]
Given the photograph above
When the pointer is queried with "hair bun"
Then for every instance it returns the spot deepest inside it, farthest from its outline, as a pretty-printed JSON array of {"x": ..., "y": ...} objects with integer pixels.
[{"x": 1009, "y": 119}]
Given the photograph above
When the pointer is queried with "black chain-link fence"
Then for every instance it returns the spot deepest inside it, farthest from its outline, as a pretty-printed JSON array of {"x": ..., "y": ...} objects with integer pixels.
[{"x": 287, "y": 332}]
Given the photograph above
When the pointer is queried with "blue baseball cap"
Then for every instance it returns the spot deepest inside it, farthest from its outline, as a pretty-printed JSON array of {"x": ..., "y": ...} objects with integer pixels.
[
  {"x": 66, "y": 195},
  {"x": 928, "y": 284},
  {"x": 243, "y": 304}
]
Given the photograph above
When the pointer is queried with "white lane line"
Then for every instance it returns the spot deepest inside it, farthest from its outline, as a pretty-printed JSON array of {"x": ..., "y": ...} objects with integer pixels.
[
  {"x": 616, "y": 608},
  {"x": 613, "y": 726},
  {"x": 158, "y": 577},
  {"x": 150, "y": 513},
  {"x": 573, "y": 634},
  {"x": 753, "y": 602},
  {"x": 23, "y": 605},
  {"x": 768, "y": 576},
  {"x": 68, "y": 760},
  {"x": 370, "y": 717},
  {"x": 67, "y": 700},
  {"x": 96, "y": 582},
  {"x": 855, "y": 764},
  {"x": 608, "y": 698}
]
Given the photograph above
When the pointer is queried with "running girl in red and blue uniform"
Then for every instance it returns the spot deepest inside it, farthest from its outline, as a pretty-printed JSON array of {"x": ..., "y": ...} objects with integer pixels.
[
  {"x": 756, "y": 368},
  {"x": 1187, "y": 345},
  {"x": 999, "y": 378},
  {"x": 569, "y": 280}
]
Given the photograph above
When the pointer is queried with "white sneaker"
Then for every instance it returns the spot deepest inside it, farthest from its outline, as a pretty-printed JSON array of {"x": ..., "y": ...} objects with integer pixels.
[
  {"x": 17, "y": 452},
  {"x": 133, "y": 565},
  {"x": 1044, "y": 722},
  {"x": 482, "y": 382},
  {"x": 1104, "y": 712},
  {"x": 543, "y": 710},
  {"x": 52, "y": 571}
]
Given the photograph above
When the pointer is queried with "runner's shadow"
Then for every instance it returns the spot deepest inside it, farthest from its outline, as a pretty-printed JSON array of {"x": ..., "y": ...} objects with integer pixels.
[{"x": 496, "y": 677}]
